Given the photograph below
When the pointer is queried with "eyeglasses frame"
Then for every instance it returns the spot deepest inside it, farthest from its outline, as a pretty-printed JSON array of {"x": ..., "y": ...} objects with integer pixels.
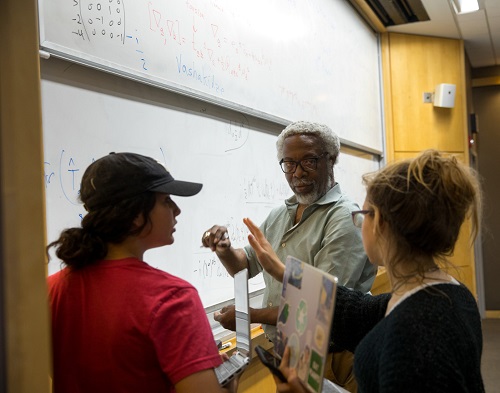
[
  {"x": 297, "y": 163},
  {"x": 363, "y": 213}
]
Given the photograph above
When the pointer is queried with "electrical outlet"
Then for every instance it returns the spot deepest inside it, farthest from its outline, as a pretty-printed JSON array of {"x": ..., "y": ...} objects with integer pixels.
[{"x": 428, "y": 97}]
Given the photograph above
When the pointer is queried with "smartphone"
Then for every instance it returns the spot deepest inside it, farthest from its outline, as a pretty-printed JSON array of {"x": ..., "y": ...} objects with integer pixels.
[{"x": 271, "y": 361}]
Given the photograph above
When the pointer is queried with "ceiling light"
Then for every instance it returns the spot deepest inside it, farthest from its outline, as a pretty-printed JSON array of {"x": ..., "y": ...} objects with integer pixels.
[{"x": 465, "y": 6}]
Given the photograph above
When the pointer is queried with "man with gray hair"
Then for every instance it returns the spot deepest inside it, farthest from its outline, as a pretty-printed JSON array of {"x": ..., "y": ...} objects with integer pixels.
[{"x": 314, "y": 225}]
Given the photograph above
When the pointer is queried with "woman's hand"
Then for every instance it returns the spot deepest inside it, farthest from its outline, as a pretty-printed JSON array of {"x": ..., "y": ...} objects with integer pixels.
[
  {"x": 265, "y": 253},
  {"x": 293, "y": 384}
]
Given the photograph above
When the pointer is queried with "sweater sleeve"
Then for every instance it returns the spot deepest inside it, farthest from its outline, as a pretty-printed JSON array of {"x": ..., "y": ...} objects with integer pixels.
[{"x": 356, "y": 313}]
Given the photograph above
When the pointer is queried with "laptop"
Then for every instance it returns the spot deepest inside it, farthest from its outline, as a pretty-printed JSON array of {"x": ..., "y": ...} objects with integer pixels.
[
  {"x": 240, "y": 358},
  {"x": 305, "y": 319}
]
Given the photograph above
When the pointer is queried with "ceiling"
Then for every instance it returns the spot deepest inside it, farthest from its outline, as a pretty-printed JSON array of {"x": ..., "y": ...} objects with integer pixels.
[{"x": 480, "y": 30}]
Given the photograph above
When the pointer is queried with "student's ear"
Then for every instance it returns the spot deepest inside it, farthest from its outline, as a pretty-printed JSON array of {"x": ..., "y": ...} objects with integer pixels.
[
  {"x": 378, "y": 222},
  {"x": 138, "y": 221}
]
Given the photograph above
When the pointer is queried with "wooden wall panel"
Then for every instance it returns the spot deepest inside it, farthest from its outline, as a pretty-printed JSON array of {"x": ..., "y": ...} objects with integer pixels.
[
  {"x": 381, "y": 283},
  {"x": 414, "y": 65},
  {"x": 417, "y": 65},
  {"x": 22, "y": 220}
]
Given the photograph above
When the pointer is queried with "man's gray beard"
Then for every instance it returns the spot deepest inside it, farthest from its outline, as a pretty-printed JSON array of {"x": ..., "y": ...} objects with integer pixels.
[
  {"x": 314, "y": 195},
  {"x": 308, "y": 199}
]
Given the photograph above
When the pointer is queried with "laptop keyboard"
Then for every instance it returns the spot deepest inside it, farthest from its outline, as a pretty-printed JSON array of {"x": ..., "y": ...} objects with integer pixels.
[{"x": 231, "y": 366}]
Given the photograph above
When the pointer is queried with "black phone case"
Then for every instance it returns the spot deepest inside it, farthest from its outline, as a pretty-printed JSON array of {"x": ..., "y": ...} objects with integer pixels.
[{"x": 270, "y": 361}]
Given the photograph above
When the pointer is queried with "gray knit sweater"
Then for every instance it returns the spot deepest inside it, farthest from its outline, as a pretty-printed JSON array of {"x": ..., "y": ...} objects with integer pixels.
[{"x": 430, "y": 342}]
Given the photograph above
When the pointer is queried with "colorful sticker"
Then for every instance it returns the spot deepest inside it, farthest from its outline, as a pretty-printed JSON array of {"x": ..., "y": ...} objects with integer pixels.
[
  {"x": 319, "y": 336},
  {"x": 283, "y": 317},
  {"x": 293, "y": 343},
  {"x": 325, "y": 300},
  {"x": 303, "y": 366},
  {"x": 296, "y": 273},
  {"x": 301, "y": 317},
  {"x": 315, "y": 371},
  {"x": 281, "y": 342}
]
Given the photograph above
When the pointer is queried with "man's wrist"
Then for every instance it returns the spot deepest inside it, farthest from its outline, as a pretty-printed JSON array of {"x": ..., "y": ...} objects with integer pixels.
[{"x": 267, "y": 315}]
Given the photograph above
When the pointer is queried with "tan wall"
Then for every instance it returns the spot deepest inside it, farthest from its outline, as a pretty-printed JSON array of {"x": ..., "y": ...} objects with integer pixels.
[
  {"x": 487, "y": 108},
  {"x": 413, "y": 65},
  {"x": 486, "y": 76}
]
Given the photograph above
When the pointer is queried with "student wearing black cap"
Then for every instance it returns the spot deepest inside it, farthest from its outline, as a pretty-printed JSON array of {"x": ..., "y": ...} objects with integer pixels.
[{"x": 119, "y": 325}]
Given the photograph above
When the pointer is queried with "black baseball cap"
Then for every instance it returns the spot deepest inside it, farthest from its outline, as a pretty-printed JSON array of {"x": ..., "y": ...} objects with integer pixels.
[{"x": 119, "y": 176}]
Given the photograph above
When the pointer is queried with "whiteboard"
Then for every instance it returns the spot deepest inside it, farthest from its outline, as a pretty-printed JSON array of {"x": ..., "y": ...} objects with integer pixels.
[
  {"x": 87, "y": 114},
  {"x": 282, "y": 60},
  {"x": 237, "y": 166},
  {"x": 350, "y": 168}
]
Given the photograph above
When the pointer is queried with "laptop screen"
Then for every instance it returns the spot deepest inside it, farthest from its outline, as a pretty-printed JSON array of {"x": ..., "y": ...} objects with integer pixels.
[
  {"x": 242, "y": 312},
  {"x": 304, "y": 320}
]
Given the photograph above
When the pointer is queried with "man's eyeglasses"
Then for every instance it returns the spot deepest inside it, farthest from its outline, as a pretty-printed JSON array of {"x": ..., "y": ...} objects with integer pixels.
[
  {"x": 358, "y": 216},
  {"x": 307, "y": 164}
]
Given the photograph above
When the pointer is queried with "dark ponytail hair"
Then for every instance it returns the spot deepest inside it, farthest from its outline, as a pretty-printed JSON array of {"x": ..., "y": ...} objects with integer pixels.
[{"x": 79, "y": 247}]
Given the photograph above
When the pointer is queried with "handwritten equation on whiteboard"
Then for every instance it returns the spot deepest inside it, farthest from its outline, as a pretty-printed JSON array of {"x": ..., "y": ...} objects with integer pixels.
[
  {"x": 191, "y": 39},
  {"x": 283, "y": 59},
  {"x": 66, "y": 173},
  {"x": 99, "y": 20}
]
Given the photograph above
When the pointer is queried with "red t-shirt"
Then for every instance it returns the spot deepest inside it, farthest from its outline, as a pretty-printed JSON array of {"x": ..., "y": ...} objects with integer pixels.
[{"x": 123, "y": 326}]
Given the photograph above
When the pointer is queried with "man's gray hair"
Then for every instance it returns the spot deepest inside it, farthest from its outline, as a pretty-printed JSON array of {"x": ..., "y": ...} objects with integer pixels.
[{"x": 324, "y": 133}]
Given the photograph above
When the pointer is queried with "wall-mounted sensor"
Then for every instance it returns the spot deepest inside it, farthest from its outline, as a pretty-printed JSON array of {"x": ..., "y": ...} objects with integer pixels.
[
  {"x": 427, "y": 98},
  {"x": 444, "y": 95}
]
